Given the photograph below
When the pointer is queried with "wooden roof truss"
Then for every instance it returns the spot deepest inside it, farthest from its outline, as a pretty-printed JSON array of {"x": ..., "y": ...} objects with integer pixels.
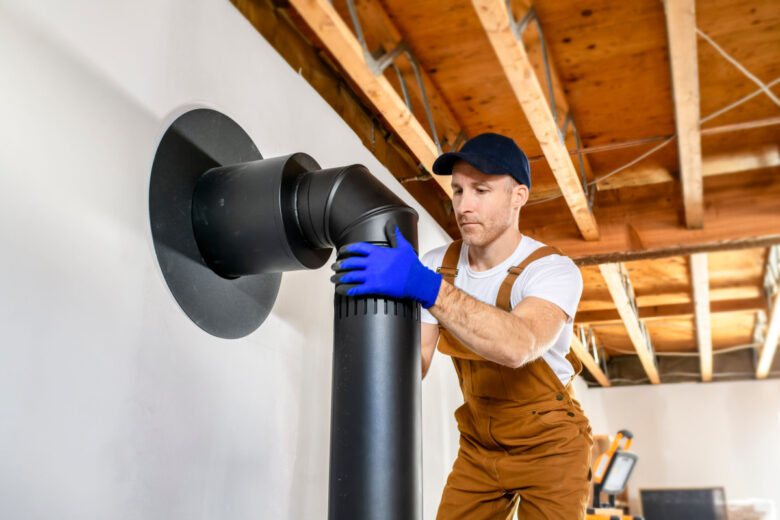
[
  {"x": 505, "y": 35},
  {"x": 695, "y": 224},
  {"x": 353, "y": 55},
  {"x": 585, "y": 348}
]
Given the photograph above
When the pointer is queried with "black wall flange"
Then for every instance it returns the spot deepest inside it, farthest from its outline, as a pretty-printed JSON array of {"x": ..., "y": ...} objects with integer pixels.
[{"x": 226, "y": 223}]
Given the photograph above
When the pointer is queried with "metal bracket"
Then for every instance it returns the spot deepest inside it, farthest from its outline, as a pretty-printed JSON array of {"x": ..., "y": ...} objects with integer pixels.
[
  {"x": 424, "y": 175},
  {"x": 626, "y": 282},
  {"x": 759, "y": 328},
  {"x": 591, "y": 199},
  {"x": 404, "y": 89},
  {"x": 772, "y": 274},
  {"x": 592, "y": 343},
  {"x": 646, "y": 336},
  {"x": 518, "y": 28},
  {"x": 459, "y": 140},
  {"x": 379, "y": 64},
  {"x": 384, "y": 60},
  {"x": 563, "y": 132}
]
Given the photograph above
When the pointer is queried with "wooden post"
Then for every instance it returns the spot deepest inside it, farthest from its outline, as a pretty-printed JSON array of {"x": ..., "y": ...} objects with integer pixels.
[
  {"x": 701, "y": 302},
  {"x": 684, "y": 60}
]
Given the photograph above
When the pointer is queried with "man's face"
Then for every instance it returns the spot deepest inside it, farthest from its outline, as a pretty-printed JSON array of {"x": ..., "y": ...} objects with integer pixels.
[{"x": 485, "y": 205}]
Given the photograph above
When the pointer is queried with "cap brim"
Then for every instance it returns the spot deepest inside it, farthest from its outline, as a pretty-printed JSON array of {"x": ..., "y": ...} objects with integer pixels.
[{"x": 443, "y": 165}]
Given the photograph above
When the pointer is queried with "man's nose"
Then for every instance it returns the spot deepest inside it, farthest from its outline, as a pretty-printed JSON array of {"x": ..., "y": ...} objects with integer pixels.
[{"x": 464, "y": 203}]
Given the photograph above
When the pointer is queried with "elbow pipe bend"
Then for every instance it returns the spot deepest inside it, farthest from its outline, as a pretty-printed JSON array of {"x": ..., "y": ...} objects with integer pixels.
[{"x": 285, "y": 214}]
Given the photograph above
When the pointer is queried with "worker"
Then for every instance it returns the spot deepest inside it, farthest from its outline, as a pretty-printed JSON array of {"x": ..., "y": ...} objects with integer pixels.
[{"x": 501, "y": 305}]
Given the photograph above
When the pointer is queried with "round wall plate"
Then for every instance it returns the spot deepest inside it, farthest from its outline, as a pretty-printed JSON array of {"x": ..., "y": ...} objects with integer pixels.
[{"x": 197, "y": 141}]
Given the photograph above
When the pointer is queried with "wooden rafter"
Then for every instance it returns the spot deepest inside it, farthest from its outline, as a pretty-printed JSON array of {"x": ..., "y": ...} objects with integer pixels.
[
  {"x": 613, "y": 278},
  {"x": 684, "y": 60},
  {"x": 769, "y": 348},
  {"x": 772, "y": 285},
  {"x": 380, "y": 30},
  {"x": 701, "y": 301},
  {"x": 331, "y": 29},
  {"x": 764, "y": 157},
  {"x": 532, "y": 43},
  {"x": 697, "y": 245},
  {"x": 712, "y": 130},
  {"x": 672, "y": 311},
  {"x": 720, "y": 164},
  {"x": 519, "y": 71},
  {"x": 274, "y": 25},
  {"x": 741, "y": 212},
  {"x": 595, "y": 370}
]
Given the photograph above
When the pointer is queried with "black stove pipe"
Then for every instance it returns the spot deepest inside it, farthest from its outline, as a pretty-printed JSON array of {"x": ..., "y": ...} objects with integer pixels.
[{"x": 284, "y": 214}]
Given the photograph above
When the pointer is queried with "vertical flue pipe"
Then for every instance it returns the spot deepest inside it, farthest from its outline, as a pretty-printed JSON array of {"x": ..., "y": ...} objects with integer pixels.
[{"x": 283, "y": 214}]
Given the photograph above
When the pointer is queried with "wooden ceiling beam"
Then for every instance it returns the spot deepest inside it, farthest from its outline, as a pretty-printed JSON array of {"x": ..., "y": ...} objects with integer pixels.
[
  {"x": 532, "y": 43},
  {"x": 712, "y": 165},
  {"x": 330, "y": 28},
  {"x": 671, "y": 311},
  {"x": 701, "y": 302},
  {"x": 587, "y": 360},
  {"x": 741, "y": 212},
  {"x": 769, "y": 348},
  {"x": 520, "y": 72},
  {"x": 613, "y": 277},
  {"x": 722, "y": 164},
  {"x": 684, "y": 61},
  {"x": 678, "y": 250},
  {"x": 713, "y": 130},
  {"x": 285, "y": 37},
  {"x": 380, "y": 30},
  {"x": 772, "y": 288}
]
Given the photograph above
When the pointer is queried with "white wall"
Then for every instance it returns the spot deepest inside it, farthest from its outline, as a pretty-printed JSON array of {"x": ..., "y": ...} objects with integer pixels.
[
  {"x": 112, "y": 403},
  {"x": 697, "y": 435}
]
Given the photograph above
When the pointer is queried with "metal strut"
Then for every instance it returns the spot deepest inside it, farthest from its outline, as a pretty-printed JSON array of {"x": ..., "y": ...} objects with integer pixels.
[
  {"x": 386, "y": 59},
  {"x": 772, "y": 274},
  {"x": 518, "y": 28},
  {"x": 628, "y": 288}
]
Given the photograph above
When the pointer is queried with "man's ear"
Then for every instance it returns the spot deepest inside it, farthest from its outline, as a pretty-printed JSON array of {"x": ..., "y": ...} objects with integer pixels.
[{"x": 520, "y": 195}]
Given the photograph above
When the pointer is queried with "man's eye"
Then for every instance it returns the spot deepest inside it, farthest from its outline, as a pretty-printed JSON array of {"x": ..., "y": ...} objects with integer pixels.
[{"x": 481, "y": 191}]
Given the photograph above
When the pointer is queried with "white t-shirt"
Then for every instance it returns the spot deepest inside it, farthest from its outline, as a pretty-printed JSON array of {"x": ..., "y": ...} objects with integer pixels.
[{"x": 554, "y": 278}]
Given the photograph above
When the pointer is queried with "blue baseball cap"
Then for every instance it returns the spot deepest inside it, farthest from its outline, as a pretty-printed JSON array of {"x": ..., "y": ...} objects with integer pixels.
[{"x": 489, "y": 153}]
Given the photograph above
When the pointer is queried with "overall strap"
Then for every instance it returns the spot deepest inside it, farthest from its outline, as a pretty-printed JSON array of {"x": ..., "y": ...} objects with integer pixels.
[
  {"x": 449, "y": 265},
  {"x": 504, "y": 299}
]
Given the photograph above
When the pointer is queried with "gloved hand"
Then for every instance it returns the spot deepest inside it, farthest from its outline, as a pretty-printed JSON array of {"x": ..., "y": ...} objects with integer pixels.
[{"x": 395, "y": 272}]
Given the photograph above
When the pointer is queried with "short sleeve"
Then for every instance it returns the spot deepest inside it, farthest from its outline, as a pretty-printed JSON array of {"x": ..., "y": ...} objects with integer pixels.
[
  {"x": 432, "y": 259},
  {"x": 555, "y": 279}
]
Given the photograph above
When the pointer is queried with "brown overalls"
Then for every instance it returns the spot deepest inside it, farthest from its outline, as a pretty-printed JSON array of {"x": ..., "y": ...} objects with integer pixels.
[{"x": 522, "y": 433}]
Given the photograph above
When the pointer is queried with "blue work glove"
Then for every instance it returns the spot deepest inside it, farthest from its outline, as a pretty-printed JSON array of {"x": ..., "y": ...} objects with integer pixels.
[{"x": 395, "y": 272}]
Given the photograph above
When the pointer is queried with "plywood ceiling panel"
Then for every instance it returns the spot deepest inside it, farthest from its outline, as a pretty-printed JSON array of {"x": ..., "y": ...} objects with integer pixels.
[{"x": 612, "y": 59}]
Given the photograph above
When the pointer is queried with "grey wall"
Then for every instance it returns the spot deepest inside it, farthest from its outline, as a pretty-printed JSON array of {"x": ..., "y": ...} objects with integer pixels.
[{"x": 112, "y": 403}]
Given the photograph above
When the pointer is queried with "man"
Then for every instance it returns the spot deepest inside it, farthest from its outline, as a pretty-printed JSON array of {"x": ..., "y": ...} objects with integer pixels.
[{"x": 501, "y": 304}]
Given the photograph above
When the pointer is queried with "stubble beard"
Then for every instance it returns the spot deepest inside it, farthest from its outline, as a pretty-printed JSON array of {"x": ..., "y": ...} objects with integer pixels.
[{"x": 482, "y": 235}]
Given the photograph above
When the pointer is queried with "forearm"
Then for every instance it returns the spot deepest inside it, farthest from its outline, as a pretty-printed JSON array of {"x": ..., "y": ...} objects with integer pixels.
[{"x": 491, "y": 332}]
